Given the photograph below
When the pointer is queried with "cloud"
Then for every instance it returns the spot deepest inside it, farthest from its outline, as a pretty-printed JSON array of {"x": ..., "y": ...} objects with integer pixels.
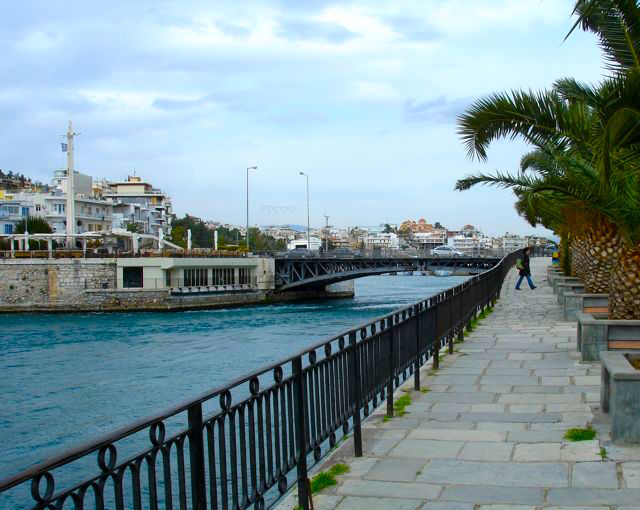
[
  {"x": 373, "y": 92},
  {"x": 301, "y": 29},
  {"x": 438, "y": 110},
  {"x": 344, "y": 89}
]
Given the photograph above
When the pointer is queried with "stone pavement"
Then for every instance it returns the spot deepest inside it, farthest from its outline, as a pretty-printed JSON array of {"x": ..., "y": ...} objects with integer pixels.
[{"x": 488, "y": 433}]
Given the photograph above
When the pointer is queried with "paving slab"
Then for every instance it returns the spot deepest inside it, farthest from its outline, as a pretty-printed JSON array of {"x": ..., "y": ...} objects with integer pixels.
[
  {"x": 508, "y": 474},
  {"x": 396, "y": 470},
  {"x": 596, "y": 475},
  {"x": 395, "y": 490},
  {"x": 358, "y": 503}
]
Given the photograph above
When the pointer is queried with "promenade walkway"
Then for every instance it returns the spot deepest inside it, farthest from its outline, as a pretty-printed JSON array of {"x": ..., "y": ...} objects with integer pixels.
[{"x": 488, "y": 433}]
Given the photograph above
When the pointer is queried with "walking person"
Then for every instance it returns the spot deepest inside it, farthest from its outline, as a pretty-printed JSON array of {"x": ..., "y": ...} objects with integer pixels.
[{"x": 525, "y": 270}]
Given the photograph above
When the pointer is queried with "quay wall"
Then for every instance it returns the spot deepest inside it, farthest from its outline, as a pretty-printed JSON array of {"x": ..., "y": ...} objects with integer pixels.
[{"x": 67, "y": 285}]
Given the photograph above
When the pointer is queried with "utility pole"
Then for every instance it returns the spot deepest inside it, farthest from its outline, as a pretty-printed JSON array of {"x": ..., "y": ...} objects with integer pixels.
[
  {"x": 326, "y": 234},
  {"x": 71, "y": 195},
  {"x": 308, "y": 222},
  {"x": 250, "y": 168}
]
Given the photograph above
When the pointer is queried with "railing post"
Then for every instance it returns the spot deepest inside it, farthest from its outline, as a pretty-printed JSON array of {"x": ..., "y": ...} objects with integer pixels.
[
  {"x": 196, "y": 458},
  {"x": 436, "y": 344},
  {"x": 300, "y": 427},
  {"x": 451, "y": 335},
  {"x": 416, "y": 370},
  {"x": 354, "y": 385},
  {"x": 392, "y": 365}
]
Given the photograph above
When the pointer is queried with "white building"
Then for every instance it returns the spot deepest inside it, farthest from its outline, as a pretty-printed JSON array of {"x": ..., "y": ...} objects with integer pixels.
[
  {"x": 513, "y": 242},
  {"x": 464, "y": 243},
  {"x": 91, "y": 214},
  {"x": 301, "y": 244},
  {"x": 138, "y": 202},
  {"x": 14, "y": 207},
  {"x": 381, "y": 240},
  {"x": 430, "y": 240}
]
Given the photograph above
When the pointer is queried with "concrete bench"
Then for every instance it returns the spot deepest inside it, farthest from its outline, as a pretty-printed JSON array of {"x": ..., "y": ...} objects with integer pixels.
[{"x": 620, "y": 394}]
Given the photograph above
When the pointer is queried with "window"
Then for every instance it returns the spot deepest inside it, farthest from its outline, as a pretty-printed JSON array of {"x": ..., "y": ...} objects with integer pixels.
[
  {"x": 167, "y": 274},
  {"x": 8, "y": 228},
  {"x": 132, "y": 277},
  {"x": 196, "y": 277},
  {"x": 223, "y": 276},
  {"x": 244, "y": 275},
  {"x": 25, "y": 211}
]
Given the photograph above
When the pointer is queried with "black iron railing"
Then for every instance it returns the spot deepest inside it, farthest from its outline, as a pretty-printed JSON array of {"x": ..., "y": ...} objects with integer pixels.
[{"x": 244, "y": 442}]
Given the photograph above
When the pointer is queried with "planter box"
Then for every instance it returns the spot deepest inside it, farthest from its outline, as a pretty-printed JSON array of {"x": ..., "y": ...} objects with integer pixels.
[
  {"x": 596, "y": 333},
  {"x": 620, "y": 394},
  {"x": 564, "y": 288},
  {"x": 552, "y": 276},
  {"x": 575, "y": 303},
  {"x": 564, "y": 279}
]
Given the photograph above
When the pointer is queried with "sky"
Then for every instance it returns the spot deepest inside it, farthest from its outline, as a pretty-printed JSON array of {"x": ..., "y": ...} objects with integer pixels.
[{"x": 361, "y": 96}]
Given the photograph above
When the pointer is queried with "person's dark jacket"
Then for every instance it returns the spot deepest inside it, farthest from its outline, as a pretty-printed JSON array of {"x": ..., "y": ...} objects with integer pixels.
[{"x": 526, "y": 269}]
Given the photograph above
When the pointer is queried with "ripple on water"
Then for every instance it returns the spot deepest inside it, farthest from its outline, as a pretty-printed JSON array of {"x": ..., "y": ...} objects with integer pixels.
[{"x": 67, "y": 378}]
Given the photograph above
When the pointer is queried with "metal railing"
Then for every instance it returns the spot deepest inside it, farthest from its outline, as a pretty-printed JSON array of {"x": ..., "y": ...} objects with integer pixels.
[{"x": 241, "y": 444}]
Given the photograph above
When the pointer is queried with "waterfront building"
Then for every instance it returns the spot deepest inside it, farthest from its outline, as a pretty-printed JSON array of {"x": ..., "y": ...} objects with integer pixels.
[
  {"x": 381, "y": 240},
  {"x": 513, "y": 242},
  {"x": 430, "y": 240},
  {"x": 14, "y": 207},
  {"x": 91, "y": 214},
  {"x": 139, "y": 202},
  {"x": 469, "y": 243},
  {"x": 298, "y": 244}
]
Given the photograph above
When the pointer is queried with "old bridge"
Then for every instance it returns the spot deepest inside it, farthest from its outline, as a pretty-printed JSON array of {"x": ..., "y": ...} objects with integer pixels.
[{"x": 314, "y": 272}]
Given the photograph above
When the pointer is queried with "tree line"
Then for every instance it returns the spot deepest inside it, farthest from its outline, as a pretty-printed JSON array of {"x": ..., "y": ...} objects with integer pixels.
[{"x": 202, "y": 236}]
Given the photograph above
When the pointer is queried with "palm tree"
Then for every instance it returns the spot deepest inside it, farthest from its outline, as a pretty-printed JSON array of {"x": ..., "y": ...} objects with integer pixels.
[{"x": 587, "y": 160}]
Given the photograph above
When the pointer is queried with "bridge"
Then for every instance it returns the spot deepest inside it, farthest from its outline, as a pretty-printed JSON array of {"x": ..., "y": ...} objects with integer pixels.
[{"x": 313, "y": 272}]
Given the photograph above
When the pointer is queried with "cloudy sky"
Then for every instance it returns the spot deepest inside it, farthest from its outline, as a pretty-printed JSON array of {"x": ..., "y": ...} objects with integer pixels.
[{"x": 362, "y": 96}]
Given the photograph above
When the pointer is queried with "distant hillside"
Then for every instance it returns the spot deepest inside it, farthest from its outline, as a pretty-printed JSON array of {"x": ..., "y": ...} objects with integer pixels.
[{"x": 297, "y": 228}]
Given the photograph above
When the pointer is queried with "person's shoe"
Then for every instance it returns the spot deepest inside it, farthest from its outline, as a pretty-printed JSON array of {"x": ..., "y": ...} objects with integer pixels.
[
  {"x": 534, "y": 287},
  {"x": 517, "y": 288}
]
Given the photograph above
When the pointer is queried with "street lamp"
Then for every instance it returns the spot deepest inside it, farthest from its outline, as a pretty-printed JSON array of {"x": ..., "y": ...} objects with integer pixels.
[
  {"x": 249, "y": 168},
  {"x": 308, "y": 224}
]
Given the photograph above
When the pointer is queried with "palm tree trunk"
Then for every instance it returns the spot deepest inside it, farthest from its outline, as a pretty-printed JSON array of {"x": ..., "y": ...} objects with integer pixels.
[
  {"x": 602, "y": 247},
  {"x": 578, "y": 249},
  {"x": 624, "y": 297}
]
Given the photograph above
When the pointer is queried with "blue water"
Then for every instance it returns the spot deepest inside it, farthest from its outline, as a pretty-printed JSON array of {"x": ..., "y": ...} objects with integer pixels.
[{"x": 66, "y": 378}]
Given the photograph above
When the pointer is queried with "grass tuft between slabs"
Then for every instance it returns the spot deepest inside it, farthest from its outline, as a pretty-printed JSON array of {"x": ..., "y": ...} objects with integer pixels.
[
  {"x": 580, "y": 434},
  {"x": 327, "y": 478}
]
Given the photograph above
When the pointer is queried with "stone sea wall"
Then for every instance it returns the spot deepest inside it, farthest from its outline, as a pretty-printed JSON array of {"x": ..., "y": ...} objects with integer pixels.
[
  {"x": 64, "y": 285},
  {"x": 52, "y": 284}
]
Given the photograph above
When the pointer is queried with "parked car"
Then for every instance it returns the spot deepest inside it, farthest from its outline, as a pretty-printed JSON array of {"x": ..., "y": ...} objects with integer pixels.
[
  {"x": 446, "y": 251},
  {"x": 343, "y": 253},
  {"x": 300, "y": 253}
]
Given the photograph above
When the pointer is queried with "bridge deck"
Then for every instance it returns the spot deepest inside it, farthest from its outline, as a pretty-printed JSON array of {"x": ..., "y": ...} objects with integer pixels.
[{"x": 301, "y": 273}]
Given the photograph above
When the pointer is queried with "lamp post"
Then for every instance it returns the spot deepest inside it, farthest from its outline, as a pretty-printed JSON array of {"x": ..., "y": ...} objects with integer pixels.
[
  {"x": 308, "y": 224},
  {"x": 249, "y": 168}
]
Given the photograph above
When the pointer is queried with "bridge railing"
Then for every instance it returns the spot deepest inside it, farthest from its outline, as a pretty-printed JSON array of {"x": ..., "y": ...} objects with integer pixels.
[{"x": 246, "y": 443}]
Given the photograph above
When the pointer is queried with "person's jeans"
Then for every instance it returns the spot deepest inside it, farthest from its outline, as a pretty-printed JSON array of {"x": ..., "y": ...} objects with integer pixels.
[{"x": 529, "y": 281}]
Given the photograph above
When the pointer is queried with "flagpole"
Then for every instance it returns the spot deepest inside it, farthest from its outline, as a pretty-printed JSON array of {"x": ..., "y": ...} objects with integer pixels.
[{"x": 70, "y": 192}]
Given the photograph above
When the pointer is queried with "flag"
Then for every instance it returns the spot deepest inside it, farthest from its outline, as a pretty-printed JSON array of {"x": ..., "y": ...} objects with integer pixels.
[{"x": 64, "y": 147}]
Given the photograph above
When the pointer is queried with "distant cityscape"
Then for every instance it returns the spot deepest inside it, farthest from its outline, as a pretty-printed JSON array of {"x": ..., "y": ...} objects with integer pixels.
[{"x": 136, "y": 205}]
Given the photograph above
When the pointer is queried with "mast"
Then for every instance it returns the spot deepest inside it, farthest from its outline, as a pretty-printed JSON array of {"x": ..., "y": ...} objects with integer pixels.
[{"x": 71, "y": 195}]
